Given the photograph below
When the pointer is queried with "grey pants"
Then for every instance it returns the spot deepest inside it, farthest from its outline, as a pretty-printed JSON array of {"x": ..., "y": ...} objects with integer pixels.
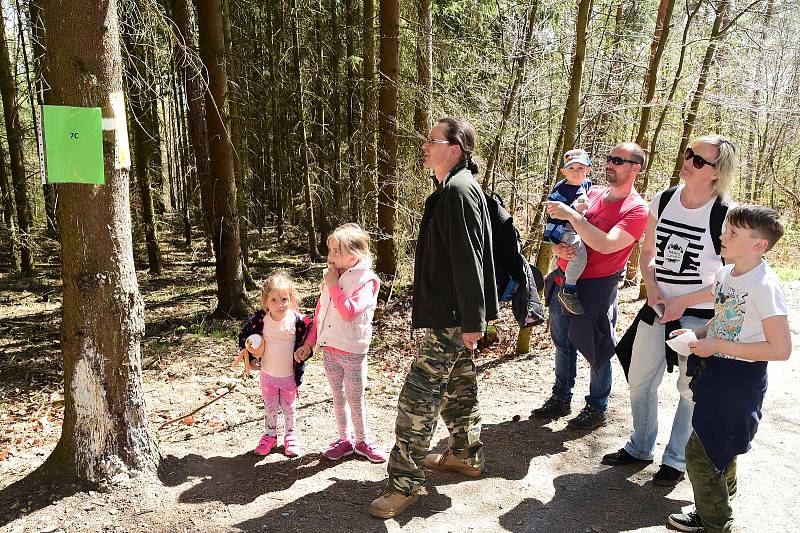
[{"x": 577, "y": 264}]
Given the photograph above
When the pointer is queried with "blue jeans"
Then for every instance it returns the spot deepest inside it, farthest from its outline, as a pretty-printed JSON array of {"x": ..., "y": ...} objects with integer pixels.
[
  {"x": 567, "y": 359},
  {"x": 648, "y": 362}
]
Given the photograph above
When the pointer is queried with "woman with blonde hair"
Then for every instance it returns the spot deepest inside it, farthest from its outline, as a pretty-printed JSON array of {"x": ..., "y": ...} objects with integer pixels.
[{"x": 680, "y": 256}]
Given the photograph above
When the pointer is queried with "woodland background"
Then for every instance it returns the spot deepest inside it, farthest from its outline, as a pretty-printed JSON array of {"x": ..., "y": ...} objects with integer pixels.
[{"x": 260, "y": 125}]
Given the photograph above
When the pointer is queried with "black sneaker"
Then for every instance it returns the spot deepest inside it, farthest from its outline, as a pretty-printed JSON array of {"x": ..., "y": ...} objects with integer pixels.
[
  {"x": 667, "y": 476},
  {"x": 570, "y": 302},
  {"x": 552, "y": 408},
  {"x": 622, "y": 457},
  {"x": 588, "y": 418},
  {"x": 686, "y": 521}
]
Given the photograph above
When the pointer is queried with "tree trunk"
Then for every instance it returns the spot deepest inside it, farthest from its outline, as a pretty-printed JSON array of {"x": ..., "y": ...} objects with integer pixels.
[
  {"x": 144, "y": 126},
  {"x": 370, "y": 118},
  {"x": 697, "y": 96},
  {"x": 105, "y": 431},
  {"x": 198, "y": 132},
  {"x": 572, "y": 108},
  {"x": 388, "y": 127},
  {"x": 518, "y": 74},
  {"x": 8, "y": 212},
  {"x": 40, "y": 70},
  {"x": 243, "y": 195},
  {"x": 675, "y": 82},
  {"x": 231, "y": 298},
  {"x": 336, "y": 114},
  {"x": 8, "y": 89},
  {"x": 313, "y": 253},
  {"x": 660, "y": 36},
  {"x": 352, "y": 81},
  {"x": 422, "y": 103},
  {"x": 570, "y": 120}
]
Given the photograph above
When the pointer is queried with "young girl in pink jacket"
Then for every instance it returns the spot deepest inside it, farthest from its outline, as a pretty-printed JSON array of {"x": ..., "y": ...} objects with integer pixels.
[{"x": 342, "y": 328}]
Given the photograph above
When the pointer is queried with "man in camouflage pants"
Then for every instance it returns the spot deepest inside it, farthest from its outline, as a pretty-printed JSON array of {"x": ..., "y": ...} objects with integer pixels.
[
  {"x": 454, "y": 296},
  {"x": 442, "y": 374}
]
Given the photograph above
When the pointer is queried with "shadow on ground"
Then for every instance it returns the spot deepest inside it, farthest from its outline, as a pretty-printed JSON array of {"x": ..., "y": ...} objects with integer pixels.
[
  {"x": 33, "y": 492},
  {"x": 604, "y": 501}
]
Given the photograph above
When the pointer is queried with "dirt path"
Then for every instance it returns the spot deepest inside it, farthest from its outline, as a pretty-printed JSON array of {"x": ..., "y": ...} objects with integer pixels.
[{"x": 538, "y": 477}]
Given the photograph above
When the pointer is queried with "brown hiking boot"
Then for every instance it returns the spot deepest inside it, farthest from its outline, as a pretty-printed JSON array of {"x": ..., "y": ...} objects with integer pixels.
[
  {"x": 447, "y": 462},
  {"x": 391, "y": 504}
]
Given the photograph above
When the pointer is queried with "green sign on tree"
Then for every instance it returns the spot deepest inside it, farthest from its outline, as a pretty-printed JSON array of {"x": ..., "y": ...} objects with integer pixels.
[{"x": 72, "y": 144}]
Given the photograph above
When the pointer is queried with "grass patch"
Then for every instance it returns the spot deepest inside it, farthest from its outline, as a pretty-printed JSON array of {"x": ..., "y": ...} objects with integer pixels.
[{"x": 787, "y": 273}]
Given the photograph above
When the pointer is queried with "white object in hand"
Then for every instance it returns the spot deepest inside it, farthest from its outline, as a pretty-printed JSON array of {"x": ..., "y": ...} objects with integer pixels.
[
  {"x": 680, "y": 344},
  {"x": 254, "y": 341},
  {"x": 659, "y": 309}
]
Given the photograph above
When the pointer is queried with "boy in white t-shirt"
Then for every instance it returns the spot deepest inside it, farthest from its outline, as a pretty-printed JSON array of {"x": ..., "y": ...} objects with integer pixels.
[{"x": 729, "y": 365}]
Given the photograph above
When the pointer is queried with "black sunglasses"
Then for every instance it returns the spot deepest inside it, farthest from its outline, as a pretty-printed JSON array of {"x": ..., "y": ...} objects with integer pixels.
[
  {"x": 697, "y": 161},
  {"x": 619, "y": 161}
]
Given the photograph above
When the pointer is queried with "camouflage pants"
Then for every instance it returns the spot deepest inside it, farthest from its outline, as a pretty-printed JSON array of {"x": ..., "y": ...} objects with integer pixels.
[{"x": 442, "y": 380}]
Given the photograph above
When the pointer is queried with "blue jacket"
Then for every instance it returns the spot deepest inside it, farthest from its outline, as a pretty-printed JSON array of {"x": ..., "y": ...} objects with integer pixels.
[{"x": 728, "y": 395}]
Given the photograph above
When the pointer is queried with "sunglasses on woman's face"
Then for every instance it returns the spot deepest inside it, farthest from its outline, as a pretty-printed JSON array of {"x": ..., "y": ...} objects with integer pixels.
[{"x": 697, "y": 161}]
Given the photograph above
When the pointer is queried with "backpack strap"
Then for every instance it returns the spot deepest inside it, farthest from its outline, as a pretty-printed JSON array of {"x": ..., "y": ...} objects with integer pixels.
[
  {"x": 718, "y": 213},
  {"x": 666, "y": 196}
]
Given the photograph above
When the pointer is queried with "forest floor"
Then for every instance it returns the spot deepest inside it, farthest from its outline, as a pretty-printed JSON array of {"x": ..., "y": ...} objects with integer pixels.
[{"x": 539, "y": 476}]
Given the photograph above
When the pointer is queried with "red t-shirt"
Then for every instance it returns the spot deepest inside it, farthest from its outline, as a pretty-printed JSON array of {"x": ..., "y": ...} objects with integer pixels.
[{"x": 629, "y": 214}]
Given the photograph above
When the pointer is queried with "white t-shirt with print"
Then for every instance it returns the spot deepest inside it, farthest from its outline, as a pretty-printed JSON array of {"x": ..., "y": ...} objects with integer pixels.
[
  {"x": 742, "y": 302},
  {"x": 685, "y": 257},
  {"x": 279, "y": 350}
]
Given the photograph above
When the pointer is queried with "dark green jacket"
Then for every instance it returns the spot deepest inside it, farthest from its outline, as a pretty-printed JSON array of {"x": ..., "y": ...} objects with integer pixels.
[{"x": 454, "y": 281}]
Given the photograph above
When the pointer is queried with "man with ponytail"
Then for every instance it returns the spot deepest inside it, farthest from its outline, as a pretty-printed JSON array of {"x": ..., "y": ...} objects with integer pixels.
[{"x": 454, "y": 297}]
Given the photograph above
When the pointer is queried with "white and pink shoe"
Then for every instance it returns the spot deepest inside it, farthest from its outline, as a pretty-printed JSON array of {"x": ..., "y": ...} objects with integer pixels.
[
  {"x": 370, "y": 451},
  {"x": 291, "y": 448}
]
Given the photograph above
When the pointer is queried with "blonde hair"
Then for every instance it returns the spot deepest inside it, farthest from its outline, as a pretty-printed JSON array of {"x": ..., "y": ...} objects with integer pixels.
[
  {"x": 726, "y": 162},
  {"x": 352, "y": 238},
  {"x": 279, "y": 279}
]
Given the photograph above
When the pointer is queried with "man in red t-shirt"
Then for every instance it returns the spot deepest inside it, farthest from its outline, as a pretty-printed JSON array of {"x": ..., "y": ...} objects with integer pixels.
[{"x": 610, "y": 228}]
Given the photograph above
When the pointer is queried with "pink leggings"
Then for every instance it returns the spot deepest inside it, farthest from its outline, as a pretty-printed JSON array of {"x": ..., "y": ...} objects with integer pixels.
[
  {"x": 278, "y": 394},
  {"x": 347, "y": 375}
]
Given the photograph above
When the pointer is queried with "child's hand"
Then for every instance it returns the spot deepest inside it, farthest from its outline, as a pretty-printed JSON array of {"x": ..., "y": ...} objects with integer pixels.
[
  {"x": 302, "y": 353},
  {"x": 704, "y": 347},
  {"x": 331, "y": 276},
  {"x": 582, "y": 204}
]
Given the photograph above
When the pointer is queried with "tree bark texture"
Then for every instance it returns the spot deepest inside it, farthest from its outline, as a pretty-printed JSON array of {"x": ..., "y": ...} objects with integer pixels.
[
  {"x": 105, "y": 430},
  {"x": 231, "y": 298},
  {"x": 8, "y": 89},
  {"x": 424, "y": 51},
  {"x": 310, "y": 219},
  {"x": 697, "y": 96},
  {"x": 144, "y": 126},
  {"x": 518, "y": 75},
  {"x": 194, "y": 85},
  {"x": 370, "y": 117},
  {"x": 660, "y": 36},
  {"x": 388, "y": 137}
]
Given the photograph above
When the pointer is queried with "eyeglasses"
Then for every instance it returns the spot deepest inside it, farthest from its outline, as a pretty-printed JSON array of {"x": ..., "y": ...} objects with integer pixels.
[
  {"x": 619, "y": 161},
  {"x": 431, "y": 140},
  {"x": 697, "y": 161}
]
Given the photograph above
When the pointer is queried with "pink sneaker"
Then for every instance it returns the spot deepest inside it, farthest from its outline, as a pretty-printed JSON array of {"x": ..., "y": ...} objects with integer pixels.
[
  {"x": 265, "y": 445},
  {"x": 370, "y": 451},
  {"x": 337, "y": 450},
  {"x": 290, "y": 446}
]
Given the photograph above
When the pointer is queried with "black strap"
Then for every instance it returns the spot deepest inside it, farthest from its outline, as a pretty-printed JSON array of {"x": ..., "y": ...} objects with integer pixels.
[{"x": 715, "y": 220}]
